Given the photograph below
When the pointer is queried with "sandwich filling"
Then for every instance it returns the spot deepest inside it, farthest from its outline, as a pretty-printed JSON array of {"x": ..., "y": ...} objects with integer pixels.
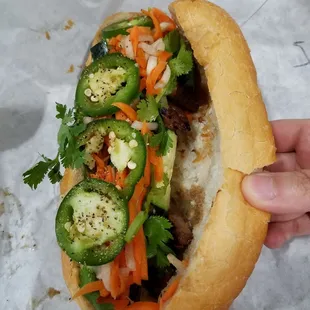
[{"x": 135, "y": 119}]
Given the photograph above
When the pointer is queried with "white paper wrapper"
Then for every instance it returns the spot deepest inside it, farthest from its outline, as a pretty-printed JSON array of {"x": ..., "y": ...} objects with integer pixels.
[{"x": 33, "y": 76}]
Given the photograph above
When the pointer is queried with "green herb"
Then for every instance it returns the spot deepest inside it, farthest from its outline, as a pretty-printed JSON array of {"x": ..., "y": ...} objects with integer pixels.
[
  {"x": 183, "y": 63},
  {"x": 156, "y": 230},
  {"x": 172, "y": 41},
  {"x": 148, "y": 109},
  {"x": 161, "y": 139},
  {"x": 68, "y": 154}
]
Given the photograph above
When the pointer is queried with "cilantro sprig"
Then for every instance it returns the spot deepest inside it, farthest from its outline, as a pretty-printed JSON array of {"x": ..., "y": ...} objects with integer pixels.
[
  {"x": 156, "y": 230},
  {"x": 148, "y": 109},
  {"x": 183, "y": 63},
  {"x": 161, "y": 139},
  {"x": 69, "y": 154}
]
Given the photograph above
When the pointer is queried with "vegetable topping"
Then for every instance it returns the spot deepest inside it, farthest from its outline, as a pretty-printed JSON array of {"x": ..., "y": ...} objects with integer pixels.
[{"x": 123, "y": 133}]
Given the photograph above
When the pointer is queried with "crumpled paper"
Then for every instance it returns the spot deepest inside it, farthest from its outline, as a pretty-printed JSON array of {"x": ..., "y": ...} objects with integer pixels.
[{"x": 38, "y": 46}]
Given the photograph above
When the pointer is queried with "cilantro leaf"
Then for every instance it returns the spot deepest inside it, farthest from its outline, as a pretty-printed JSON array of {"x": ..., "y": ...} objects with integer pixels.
[
  {"x": 156, "y": 230},
  {"x": 156, "y": 139},
  {"x": 161, "y": 139},
  {"x": 68, "y": 154},
  {"x": 54, "y": 174},
  {"x": 61, "y": 109},
  {"x": 172, "y": 41},
  {"x": 183, "y": 63},
  {"x": 76, "y": 130},
  {"x": 165, "y": 144},
  {"x": 36, "y": 174},
  {"x": 148, "y": 109},
  {"x": 151, "y": 250}
]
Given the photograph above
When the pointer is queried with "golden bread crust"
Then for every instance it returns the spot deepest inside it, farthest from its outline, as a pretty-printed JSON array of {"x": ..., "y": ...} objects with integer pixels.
[{"x": 231, "y": 240}]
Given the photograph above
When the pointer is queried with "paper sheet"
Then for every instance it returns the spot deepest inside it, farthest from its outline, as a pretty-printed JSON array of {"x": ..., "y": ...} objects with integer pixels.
[{"x": 33, "y": 76}]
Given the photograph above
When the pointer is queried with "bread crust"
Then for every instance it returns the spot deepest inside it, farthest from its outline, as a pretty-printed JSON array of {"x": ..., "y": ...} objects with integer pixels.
[
  {"x": 232, "y": 239},
  {"x": 219, "y": 266}
]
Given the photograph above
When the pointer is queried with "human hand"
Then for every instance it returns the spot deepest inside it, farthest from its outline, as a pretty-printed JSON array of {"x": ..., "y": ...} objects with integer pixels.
[{"x": 283, "y": 189}]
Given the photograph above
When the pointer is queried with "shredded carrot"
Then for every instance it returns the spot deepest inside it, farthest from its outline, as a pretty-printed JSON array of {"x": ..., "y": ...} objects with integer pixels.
[
  {"x": 153, "y": 77},
  {"x": 118, "y": 304},
  {"x": 120, "y": 178},
  {"x": 120, "y": 115},
  {"x": 122, "y": 259},
  {"x": 142, "y": 83},
  {"x": 135, "y": 205},
  {"x": 144, "y": 267},
  {"x": 113, "y": 41},
  {"x": 141, "y": 30},
  {"x": 157, "y": 162},
  {"x": 143, "y": 305},
  {"x": 104, "y": 292},
  {"x": 138, "y": 194},
  {"x": 158, "y": 33},
  {"x": 127, "y": 109},
  {"x": 147, "y": 170},
  {"x": 99, "y": 162},
  {"x": 144, "y": 129},
  {"x": 89, "y": 288},
  {"x": 140, "y": 59},
  {"x": 143, "y": 72},
  {"x": 114, "y": 278},
  {"x": 109, "y": 177},
  {"x": 170, "y": 291},
  {"x": 163, "y": 55},
  {"x": 123, "y": 283},
  {"x": 162, "y": 17},
  {"x": 132, "y": 210},
  {"x": 159, "y": 170}
]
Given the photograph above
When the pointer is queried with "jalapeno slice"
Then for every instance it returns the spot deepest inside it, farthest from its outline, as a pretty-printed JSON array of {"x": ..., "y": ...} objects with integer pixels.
[
  {"x": 127, "y": 149},
  {"x": 111, "y": 78},
  {"x": 121, "y": 27},
  {"x": 91, "y": 222}
]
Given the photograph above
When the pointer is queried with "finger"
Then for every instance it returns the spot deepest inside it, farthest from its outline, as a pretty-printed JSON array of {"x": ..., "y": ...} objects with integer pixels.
[
  {"x": 279, "y": 233},
  {"x": 293, "y": 135},
  {"x": 284, "y": 217},
  {"x": 284, "y": 162},
  {"x": 280, "y": 192}
]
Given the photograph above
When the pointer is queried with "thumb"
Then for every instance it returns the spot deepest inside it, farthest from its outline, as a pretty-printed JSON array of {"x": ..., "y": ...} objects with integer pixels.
[{"x": 279, "y": 192}]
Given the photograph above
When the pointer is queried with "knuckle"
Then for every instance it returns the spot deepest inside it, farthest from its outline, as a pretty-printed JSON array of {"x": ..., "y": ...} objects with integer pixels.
[{"x": 301, "y": 184}]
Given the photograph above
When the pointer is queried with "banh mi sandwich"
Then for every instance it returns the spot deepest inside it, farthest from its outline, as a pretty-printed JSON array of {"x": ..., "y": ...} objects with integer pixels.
[{"x": 168, "y": 119}]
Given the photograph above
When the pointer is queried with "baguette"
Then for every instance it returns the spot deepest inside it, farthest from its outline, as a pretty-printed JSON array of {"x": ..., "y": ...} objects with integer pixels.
[{"x": 231, "y": 137}]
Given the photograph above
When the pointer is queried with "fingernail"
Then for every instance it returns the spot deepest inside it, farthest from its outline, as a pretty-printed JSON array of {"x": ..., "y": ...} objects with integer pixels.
[{"x": 260, "y": 186}]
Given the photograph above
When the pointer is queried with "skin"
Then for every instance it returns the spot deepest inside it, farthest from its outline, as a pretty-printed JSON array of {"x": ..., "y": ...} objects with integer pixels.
[{"x": 283, "y": 189}]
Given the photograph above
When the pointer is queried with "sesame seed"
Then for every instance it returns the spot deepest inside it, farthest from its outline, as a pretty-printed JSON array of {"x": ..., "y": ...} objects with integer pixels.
[{"x": 91, "y": 76}]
